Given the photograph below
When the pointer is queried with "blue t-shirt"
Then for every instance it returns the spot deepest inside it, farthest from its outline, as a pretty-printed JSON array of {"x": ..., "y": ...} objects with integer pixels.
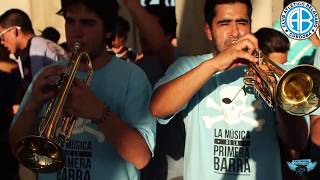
[
  {"x": 126, "y": 90},
  {"x": 226, "y": 141}
]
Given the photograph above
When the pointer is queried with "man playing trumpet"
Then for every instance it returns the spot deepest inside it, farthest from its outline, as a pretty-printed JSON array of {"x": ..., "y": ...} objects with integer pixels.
[
  {"x": 230, "y": 131},
  {"x": 114, "y": 136}
]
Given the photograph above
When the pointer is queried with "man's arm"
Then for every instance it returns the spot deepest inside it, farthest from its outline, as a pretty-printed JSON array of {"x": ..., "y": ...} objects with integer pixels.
[
  {"x": 293, "y": 130},
  {"x": 128, "y": 141},
  {"x": 8, "y": 66},
  {"x": 151, "y": 30},
  {"x": 172, "y": 96},
  {"x": 125, "y": 138}
]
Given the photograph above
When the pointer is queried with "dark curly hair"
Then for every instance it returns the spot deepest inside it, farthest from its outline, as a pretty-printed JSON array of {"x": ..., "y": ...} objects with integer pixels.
[
  {"x": 107, "y": 10},
  {"x": 209, "y": 9},
  {"x": 271, "y": 40}
]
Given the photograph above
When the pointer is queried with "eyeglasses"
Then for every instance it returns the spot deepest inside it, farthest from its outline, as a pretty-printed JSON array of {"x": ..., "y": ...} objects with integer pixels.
[{"x": 7, "y": 30}]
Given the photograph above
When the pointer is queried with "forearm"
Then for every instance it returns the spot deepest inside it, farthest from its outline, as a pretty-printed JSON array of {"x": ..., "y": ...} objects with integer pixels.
[
  {"x": 128, "y": 142},
  {"x": 7, "y": 67},
  {"x": 151, "y": 30},
  {"x": 172, "y": 96},
  {"x": 148, "y": 25},
  {"x": 293, "y": 130}
]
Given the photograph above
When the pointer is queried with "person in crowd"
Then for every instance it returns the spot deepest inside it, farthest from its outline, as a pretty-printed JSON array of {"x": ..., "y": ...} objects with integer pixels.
[
  {"x": 33, "y": 52},
  {"x": 51, "y": 33},
  {"x": 114, "y": 134},
  {"x": 117, "y": 42},
  {"x": 157, "y": 26},
  {"x": 166, "y": 17},
  {"x": 228, "y": 127},
  {"x": 274, "y": 44},
  {"x": 157, "y": 51}
]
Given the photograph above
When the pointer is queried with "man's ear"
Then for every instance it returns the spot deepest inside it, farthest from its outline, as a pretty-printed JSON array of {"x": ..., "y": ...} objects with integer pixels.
[
  {"x": 16, "y": 32},
  {"x": 207, "y": 30}
]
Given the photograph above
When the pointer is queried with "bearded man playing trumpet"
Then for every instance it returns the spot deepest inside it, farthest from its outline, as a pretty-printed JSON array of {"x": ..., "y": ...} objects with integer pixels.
[{"x": 230, "y": 130}]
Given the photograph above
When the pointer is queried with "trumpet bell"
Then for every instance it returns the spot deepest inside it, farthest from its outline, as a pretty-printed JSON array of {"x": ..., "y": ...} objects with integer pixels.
[
  {"x": 40, "y": 154},
  {"x": 298, "y": 90}
]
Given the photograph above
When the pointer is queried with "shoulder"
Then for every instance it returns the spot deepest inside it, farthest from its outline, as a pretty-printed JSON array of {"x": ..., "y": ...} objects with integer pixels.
[
  {"x": 194, "y": 60},
  {"x": 127, "y": 74},
  {"x": 182, "y": 66},
  {"x": 44, "y": 47},
  {"x": 116, "y": 61},
  {"x": 39, "y": 43},
  {"x": 186, "y": 63},
  {"x": 125, "y": 67}
]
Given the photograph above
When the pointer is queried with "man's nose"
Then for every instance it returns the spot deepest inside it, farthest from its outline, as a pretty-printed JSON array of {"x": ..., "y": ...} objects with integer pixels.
[
  {"x": 235, "y": 31},
  {"x": 77, "y": 34},
  {"x": 77, "y": 30}
]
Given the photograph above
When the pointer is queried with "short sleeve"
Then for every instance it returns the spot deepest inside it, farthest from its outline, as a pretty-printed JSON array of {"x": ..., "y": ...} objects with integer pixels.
[
  {"x": 136, "y": 109},
  {"x": 183, "y": 65}
]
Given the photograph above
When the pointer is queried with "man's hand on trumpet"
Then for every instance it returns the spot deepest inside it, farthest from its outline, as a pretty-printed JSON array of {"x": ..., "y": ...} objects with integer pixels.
[
  {"x": 45, "y": 85},
  {"x": 82, "y": 102}
]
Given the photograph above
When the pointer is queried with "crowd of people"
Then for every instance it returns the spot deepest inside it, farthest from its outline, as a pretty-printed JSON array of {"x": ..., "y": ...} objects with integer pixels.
[{"x": 152, "y": 114}]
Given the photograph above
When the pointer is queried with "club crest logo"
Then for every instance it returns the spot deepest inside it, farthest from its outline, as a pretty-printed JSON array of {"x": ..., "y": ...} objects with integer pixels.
[
  {"x": 299, "y": 20},
  {"x": 301, "y": 166}
]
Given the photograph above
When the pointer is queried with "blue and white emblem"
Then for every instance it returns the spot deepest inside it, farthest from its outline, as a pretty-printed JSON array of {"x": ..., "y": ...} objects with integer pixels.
[
  {"x": 299, "y": 20},
  {"x": 301, "y": 166}
]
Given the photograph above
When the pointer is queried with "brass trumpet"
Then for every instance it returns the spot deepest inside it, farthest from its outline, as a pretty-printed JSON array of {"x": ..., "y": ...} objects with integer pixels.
[
  {"x": 297, "y": 91},
  {"x": 43, "y": 153}
]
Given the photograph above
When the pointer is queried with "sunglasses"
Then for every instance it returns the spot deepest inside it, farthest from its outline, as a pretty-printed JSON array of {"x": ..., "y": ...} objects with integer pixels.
[{"x": 7, "y": 30}]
